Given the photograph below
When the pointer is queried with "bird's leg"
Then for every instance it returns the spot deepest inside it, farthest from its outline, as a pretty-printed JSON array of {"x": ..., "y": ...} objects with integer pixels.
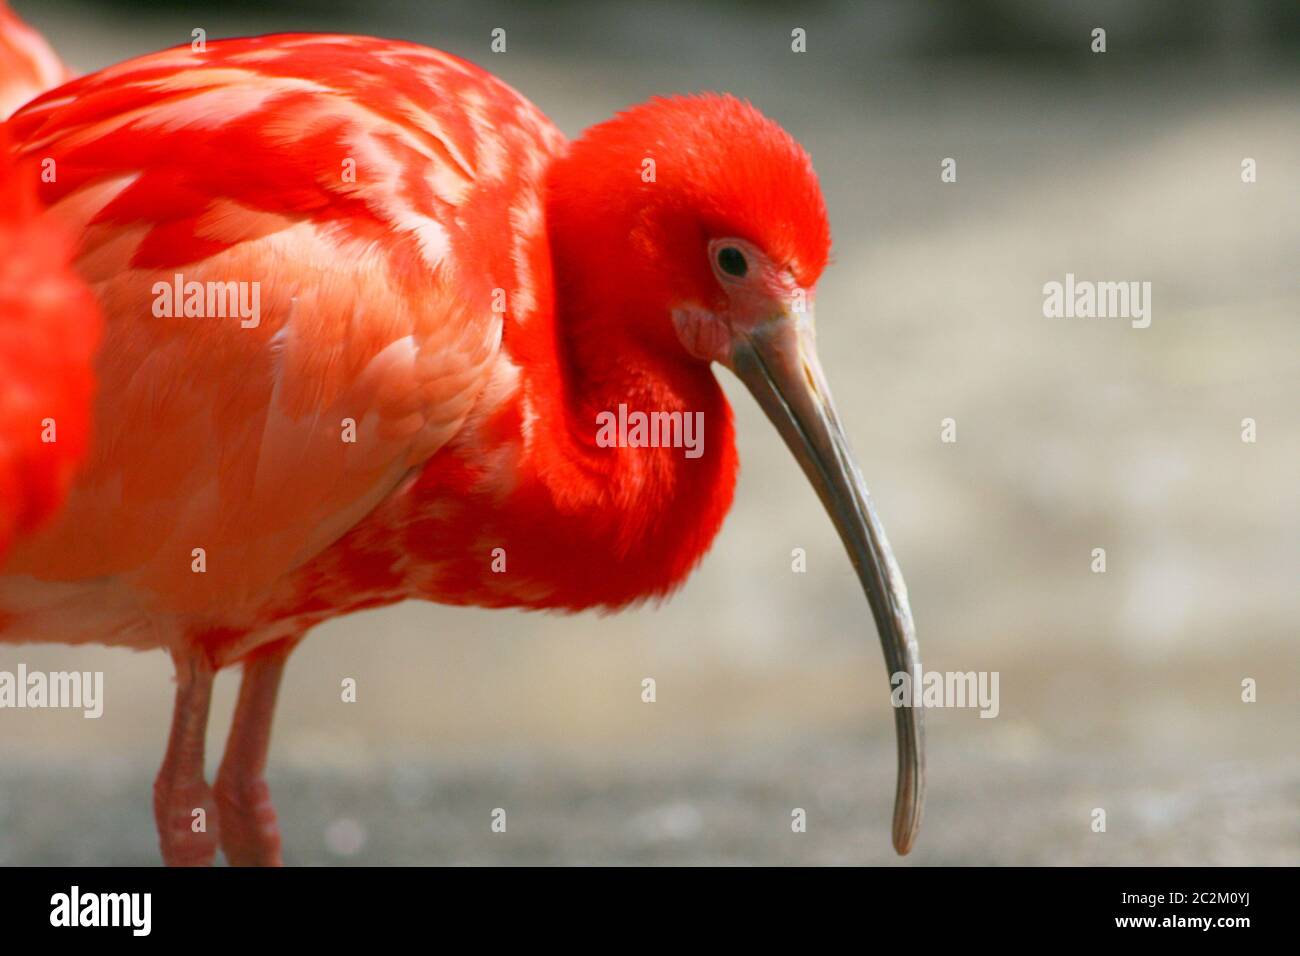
[
  {"x": 182, "y": 800},
  {"x": 250, "y": 835}
]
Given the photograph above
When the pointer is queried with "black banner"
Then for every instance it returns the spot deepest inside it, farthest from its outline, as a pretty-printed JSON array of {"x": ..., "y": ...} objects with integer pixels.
[{"x": 916, "y": 904}]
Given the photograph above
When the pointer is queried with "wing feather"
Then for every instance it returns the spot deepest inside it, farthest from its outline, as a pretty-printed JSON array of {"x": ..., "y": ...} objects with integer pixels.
[{"x": 303, "y": 170}]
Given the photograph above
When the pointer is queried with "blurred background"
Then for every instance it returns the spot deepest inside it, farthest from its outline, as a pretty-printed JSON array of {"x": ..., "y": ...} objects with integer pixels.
[{"x": 1119, "y": 691}]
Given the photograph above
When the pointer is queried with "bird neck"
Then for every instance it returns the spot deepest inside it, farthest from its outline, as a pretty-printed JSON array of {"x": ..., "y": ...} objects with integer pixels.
[
  {"x": 643, "y": 471},
  {"x": 565, "y": 492}
]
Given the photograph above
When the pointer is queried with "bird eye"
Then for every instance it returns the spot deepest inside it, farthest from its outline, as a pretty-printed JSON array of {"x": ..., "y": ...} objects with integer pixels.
[{"x": 732, "y": 261}]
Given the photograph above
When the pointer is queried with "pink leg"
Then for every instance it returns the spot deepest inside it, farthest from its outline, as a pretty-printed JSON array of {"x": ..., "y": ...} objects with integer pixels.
[
  {"x": 250, "y": 835},
  {"x": 187, "y": 837}
]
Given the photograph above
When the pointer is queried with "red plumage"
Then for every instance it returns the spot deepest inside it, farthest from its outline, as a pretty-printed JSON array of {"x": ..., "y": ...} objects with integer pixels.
[
  {"x": 49, "y": 327},
  {"x": 437, "y": 298}
]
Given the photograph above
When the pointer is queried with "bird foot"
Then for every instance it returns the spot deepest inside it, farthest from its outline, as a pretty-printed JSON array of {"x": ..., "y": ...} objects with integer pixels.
[
  {"x": 186, "y": 816},
  {"x": 250, "y": 833}
]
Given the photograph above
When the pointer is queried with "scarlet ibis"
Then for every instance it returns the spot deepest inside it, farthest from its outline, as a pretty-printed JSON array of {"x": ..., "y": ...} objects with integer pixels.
[
  {"x": 49, "y": 326},
  {"x": 449, "y": 297}
]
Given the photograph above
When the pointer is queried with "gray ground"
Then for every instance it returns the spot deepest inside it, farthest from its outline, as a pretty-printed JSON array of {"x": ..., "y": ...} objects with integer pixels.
[
  {"x": 1119, "y": 691},
  {"x": 727, "y": 809}
]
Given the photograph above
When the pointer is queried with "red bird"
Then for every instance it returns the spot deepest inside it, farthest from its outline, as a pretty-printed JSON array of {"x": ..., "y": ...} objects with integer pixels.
[
  {"x": 49, "y": 327},
  {"x": 370, "y": 317},
  {"x": 49, "y": 323}
]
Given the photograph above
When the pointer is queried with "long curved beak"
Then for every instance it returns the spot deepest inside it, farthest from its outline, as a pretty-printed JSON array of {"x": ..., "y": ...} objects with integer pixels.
[{"x": 778, "y": 364}]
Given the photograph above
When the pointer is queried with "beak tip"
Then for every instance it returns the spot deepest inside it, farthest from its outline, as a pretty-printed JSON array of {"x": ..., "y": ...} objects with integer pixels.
[
  {"x": 904, "y": 839},
  {"x": 907, "y": 827},
  {"x": 909, "y": 799}
]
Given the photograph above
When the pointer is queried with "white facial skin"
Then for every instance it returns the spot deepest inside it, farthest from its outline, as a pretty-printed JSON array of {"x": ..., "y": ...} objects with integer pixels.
[{"x": 763, "y": 293}]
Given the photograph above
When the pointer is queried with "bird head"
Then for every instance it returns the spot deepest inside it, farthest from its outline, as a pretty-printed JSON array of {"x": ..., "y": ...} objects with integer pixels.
[{"x": 697, "y": 227}]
